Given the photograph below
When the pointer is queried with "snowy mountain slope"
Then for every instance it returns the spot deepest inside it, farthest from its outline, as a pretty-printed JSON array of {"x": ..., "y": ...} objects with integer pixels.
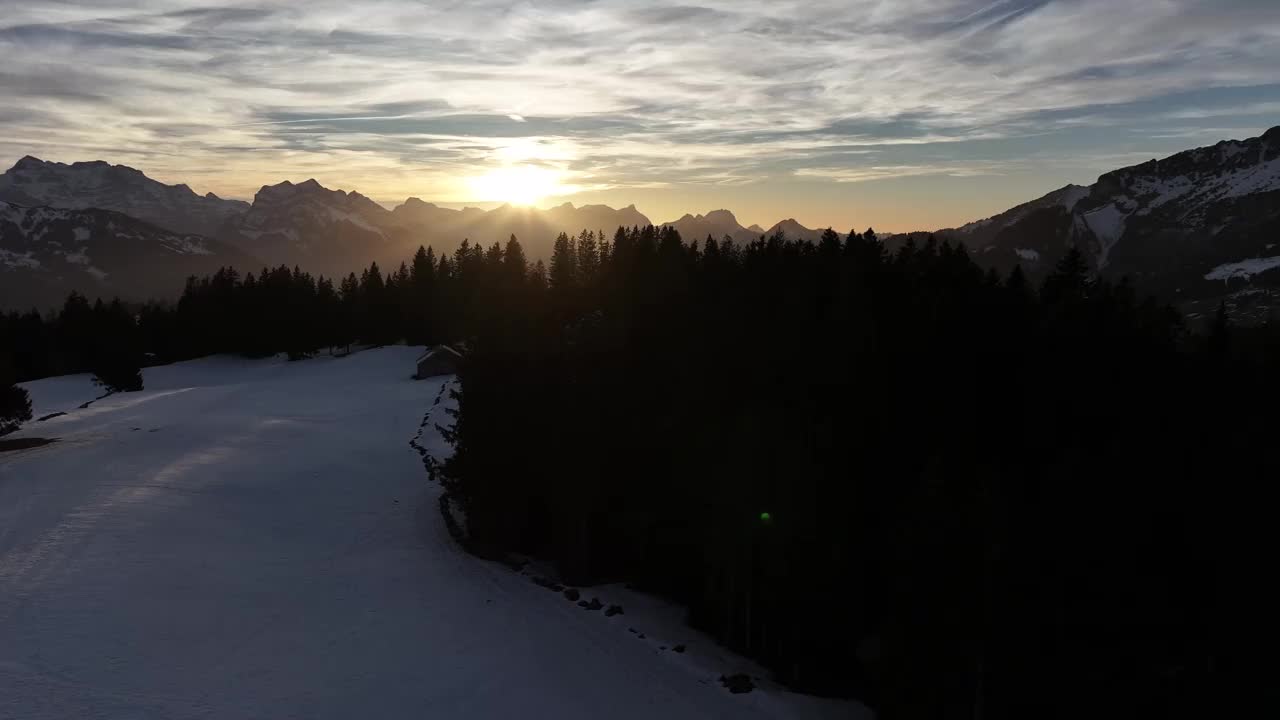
[
  {"x": 96, "y": 184},
  {"x": 1168, "y": 224},
  {"x": 257, "y": 539},
  {"x": 330, "y": 232},
  {"x": 1065, "y": 197},
  {"x": 46, "y": 252}
]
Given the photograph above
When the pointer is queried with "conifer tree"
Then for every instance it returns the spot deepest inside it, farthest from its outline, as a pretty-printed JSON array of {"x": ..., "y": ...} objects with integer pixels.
[
  {"x": 563, "y": 274},
  {"x": 515, "y": 266},
  {"x": 117, "y": 356},
  {"x": 829, "y": 243},
  {"x": 1069, "y": 281},
  {"x": 538, "y": 275},
  {"x": 15, "y": 403}
]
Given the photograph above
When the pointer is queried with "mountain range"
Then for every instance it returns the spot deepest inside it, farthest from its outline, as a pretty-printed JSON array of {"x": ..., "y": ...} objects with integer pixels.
[
  {"x": 47, "y": 252},
  {"x": 1194, "y": 227},
  {"x": 83, "y": 185},
  {"x": 82, "y": 206},
  {"x": 1201, "y": 225}
]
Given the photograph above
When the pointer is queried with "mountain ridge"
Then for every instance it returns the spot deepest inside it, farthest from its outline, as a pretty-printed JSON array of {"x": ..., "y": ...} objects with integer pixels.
[
  {"x": 120, "y": 188},
  {"x": 1175, "y": 225},
  {"x": 47, "y": 252},
  {"x": 1195, "y": 224}
]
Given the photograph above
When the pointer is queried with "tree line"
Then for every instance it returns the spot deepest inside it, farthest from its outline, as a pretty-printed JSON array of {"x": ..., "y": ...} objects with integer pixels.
[
  {"x": 891, "y": 476},
  {"x": 102, "y": 339},
  {"x": 426, "y": 300}
]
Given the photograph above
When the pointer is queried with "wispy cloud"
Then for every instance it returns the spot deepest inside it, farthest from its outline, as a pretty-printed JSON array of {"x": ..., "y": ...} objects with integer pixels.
[
  {"x": 887, "y": 172},
  {"x": 402, "y": 97}
]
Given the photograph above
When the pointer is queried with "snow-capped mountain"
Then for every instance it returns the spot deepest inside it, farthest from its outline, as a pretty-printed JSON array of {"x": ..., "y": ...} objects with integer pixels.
[
  {"x": 327, "y": 231},
  {"x": 47, "y": 252},
  {"x": 1193, "y": 225},
  {"x": 78, "y": 186}
]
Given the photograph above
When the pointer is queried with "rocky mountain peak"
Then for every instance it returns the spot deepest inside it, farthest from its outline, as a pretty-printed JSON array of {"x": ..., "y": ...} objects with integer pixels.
[
  {"x": 721, "y": 217},
  {"x": 98, "y": 184}
]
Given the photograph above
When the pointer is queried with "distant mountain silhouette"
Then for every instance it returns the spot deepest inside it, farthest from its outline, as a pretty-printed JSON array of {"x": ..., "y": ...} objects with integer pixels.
[
  {"x": 33, "y": 182},
  {"x": 445, "y": 228},
  {"x": 717, "y": 224},
  {"x": 720, "y": 224},
  {"x": 330, "y": 232},
  {"x": 795, "y": 231}
]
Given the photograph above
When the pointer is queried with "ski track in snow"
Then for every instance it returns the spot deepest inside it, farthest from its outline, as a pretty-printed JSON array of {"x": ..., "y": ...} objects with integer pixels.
[{"x": 253, "y": 539}]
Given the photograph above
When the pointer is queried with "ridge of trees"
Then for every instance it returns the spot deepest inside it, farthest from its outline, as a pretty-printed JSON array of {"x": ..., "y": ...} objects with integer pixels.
[{"x": 890, "y": 476}]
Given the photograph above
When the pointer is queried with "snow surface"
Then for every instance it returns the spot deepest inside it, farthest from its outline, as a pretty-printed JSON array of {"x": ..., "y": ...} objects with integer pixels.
[
  {"x": 60, "y": 394},
  {"x": 1107, "y": 224},
  {"x": 257, "y": 539},
  {"x": 1244, "y": 269},
  {"x": 1199, "y": 191}
]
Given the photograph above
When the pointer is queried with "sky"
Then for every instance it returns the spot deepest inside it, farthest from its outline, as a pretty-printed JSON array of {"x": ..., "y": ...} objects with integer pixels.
[{"x": 895, "y": 114}]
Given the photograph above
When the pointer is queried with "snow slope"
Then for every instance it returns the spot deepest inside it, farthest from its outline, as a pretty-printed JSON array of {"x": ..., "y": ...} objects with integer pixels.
[
  {"x": 60, "y": 394},
  {"x": 1244, "y": 269},
  {"x": 256, "y": 539}
]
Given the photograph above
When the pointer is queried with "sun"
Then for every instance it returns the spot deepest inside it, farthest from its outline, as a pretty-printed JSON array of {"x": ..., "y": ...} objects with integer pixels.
[{"x": 515, "y": 184}]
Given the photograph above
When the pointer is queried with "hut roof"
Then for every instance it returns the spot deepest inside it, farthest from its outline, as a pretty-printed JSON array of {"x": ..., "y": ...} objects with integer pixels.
[{"x": 443, "y": 349}]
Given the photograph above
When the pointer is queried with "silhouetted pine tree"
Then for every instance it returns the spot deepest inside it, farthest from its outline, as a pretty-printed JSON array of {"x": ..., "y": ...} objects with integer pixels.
[
  {"x": 563, "y": 275},
  {"x": 117, "y": 354},
  {"x": 15, "y": 404}
]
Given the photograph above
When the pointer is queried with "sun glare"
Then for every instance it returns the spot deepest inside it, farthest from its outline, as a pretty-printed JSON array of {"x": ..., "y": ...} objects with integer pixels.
[{"x": 518, "y": 185}]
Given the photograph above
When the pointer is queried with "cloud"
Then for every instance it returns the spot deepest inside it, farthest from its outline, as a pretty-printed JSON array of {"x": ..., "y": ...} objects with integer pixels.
[
  {"x": 888, "y": 172},
  {"x": 401, "y": 97}
]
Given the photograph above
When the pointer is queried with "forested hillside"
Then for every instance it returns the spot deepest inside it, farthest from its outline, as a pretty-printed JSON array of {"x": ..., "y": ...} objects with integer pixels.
[{"x": 899, "y": 478}]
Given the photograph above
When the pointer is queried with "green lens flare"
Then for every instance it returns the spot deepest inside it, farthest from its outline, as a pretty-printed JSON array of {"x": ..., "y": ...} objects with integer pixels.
[{"x": 766, "y": 517}]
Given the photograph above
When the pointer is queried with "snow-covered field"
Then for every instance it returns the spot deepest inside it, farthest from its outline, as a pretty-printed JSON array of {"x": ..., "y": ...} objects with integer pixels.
[{"x": 256, "y": 539}]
